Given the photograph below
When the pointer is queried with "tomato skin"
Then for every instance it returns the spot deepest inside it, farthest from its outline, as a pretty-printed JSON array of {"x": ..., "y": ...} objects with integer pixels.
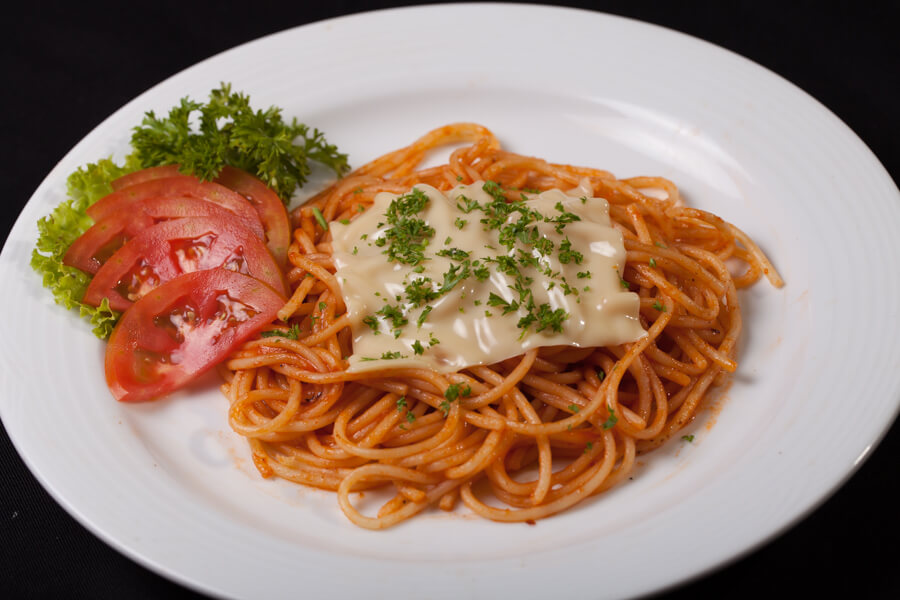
[
  {"x": 145, "y": 175},
  {"x": 145, "y": 360},
  {"x": 154, "y": 252},
  {"x": 180, "y": 186},
  {"x": 268, "y": 205},
  {"x": 93, "y": 247},
  {"x": 90, "y": 250}
]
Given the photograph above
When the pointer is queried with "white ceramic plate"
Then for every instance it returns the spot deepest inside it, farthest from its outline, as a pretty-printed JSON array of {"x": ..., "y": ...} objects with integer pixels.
[{"x": 168, "y": 483}]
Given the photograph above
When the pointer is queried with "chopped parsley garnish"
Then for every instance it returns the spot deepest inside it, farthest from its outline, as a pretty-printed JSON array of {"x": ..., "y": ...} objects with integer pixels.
[
  {"x": 420, "y": 291},
  {"x": 544, "y": 246},
  {"x": 408, "y": 235},
  {"x": 567, "y": 255},
  {"x": 394, "y": 315},
  {"x": 498, "y": 301},
  {"x": 563, "y": 219},
  {"x": 452, "y": 277},
  {"x": 455, "y": 390},
  {"x": 523, "y": 248},
  {"x": 292, "y": 333},
  {"x": 453, "y": 254},
  {"x": 611, "y": 420},
  {"x": 385, "y": 356},
  {"x": 371, "y": 322},
  {"x": 466, "y": 205},
  {"x": 424, "y": 315},
  {"x": 547, "y": 318},
  {"x": 688, "y": 438},
  {"x": 320, "y": 219},
  {"x": 452, "y": 393},
  {"x": 495, "y": 191},
  {"x": 403, "y": 405}
]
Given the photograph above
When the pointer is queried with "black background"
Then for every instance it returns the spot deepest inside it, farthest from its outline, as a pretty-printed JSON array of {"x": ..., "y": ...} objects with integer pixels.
[{"x": 67, "y": 67}]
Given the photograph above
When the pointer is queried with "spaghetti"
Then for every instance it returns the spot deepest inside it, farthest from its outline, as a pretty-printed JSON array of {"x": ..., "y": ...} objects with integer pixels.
[{"x": 539, "y": 432}]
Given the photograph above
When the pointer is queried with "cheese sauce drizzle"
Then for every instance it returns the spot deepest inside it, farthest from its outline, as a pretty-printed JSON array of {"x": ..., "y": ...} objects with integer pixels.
[{"x": 451, "y": 281}]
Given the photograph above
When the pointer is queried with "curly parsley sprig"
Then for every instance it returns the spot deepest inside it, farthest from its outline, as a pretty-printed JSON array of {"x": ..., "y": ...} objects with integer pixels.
[{"x": 228, "y": 131}]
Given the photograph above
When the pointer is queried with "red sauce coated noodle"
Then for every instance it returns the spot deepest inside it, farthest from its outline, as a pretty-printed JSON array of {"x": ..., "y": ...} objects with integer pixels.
[{"x": 540, "y": 432}]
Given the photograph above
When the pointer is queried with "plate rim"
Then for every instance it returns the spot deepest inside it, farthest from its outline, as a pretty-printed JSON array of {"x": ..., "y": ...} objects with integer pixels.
[{"x": 190, "y": 583}]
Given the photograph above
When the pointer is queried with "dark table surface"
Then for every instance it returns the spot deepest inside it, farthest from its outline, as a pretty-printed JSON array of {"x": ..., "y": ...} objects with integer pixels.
[{"x": 68, "y": 66}]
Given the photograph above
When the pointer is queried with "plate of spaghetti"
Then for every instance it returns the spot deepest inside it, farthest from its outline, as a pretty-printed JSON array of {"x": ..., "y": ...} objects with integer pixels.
[{"x": 561, "y": 312}]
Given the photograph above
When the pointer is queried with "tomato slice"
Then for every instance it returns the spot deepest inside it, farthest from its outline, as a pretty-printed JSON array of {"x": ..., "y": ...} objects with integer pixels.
[
  {"x": 145, "y": 175},
  {"x": 181, "y": 186},
  {"x": 90, "y": 250},
  {"x": 183, "y": 328},
  {"x": 170, "y": 248},
  {"x": 93, "y": 247},
  {"x": 268, "y": 205}
]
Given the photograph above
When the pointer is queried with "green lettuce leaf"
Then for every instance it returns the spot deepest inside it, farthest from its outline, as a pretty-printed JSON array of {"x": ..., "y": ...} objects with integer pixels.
[{"x": 59, "y": 229}]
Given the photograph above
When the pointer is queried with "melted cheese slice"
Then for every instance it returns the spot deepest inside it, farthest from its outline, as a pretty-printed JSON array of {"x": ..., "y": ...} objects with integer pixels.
[{"x": 466, "y": 326}]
